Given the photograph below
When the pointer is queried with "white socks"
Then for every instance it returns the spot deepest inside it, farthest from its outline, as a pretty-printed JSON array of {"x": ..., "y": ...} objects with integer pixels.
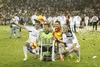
[{"x": 25, "y": 51}]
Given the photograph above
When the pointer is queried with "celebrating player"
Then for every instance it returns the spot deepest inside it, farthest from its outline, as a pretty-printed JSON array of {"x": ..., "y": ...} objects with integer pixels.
[
  {"x": 30, "y": 44},
  {"x": 70, "y": 40}
]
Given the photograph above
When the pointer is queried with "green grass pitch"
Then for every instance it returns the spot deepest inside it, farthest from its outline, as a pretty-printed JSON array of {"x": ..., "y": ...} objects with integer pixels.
[{"x": 11, "y": 51}]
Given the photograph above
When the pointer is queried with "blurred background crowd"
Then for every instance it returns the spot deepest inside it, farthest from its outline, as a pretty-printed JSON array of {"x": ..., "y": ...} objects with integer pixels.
[{"x": 27, "y": 8}]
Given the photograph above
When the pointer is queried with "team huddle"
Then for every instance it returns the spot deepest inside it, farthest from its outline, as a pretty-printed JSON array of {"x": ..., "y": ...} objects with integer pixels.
[{"x": 54, "y": 40}]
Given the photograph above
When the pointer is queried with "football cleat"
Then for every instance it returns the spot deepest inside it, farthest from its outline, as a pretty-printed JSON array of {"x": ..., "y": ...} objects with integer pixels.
[
  {"x": 78, "y": 60},
  {"x": 25, "y": 59},
  {"x": 61, "y": 59},
  {"x": 53, "y": 59}
]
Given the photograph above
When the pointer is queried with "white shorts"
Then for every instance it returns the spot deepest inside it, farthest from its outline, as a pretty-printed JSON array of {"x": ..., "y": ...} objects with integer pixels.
[
  {"x": 69, "y": 45},
  {"x": 77, "y": 25},
  {"x": 30, "y": 41}
]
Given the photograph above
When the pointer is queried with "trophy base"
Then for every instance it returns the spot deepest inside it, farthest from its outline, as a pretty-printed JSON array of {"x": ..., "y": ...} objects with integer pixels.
[{"x": 47, "y": 58}]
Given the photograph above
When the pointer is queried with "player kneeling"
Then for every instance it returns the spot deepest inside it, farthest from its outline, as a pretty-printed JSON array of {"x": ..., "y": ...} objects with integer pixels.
[
  {"x": 46, "y": 45},
  {"x": 70, "y": 40},
  {"x": 34, "y": 49}
]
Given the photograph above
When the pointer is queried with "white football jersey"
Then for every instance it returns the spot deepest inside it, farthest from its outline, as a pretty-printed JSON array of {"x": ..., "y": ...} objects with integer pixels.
[
  {"x": 70, "y": 38},
  {"x": 33, "y": 33}
]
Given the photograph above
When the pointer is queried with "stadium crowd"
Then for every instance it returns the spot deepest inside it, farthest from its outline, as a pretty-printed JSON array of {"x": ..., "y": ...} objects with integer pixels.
[{"x": 48, "y": 8}]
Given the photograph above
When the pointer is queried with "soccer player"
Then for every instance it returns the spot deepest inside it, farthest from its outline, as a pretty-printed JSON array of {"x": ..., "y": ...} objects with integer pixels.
[
  {"x": 71, "y": 20},
  {"x": 77, "y": 20},
  {"x": 14, "y": 28},
  {"x": 46, "y": 41},
  {"x": 86, "y": 19},
  {"x": 70, "y": 40},
  {"x": 57, "y": 36},
  {"x": 31, "y": 42}
]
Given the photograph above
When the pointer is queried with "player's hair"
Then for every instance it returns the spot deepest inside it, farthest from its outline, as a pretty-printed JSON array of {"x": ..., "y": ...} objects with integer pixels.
[
  {"x": 37, "y": 21},
  {"x": 48, "y": 24},
  {"x": 57, "y": 21},
  {"x": 69, "y": 34}
]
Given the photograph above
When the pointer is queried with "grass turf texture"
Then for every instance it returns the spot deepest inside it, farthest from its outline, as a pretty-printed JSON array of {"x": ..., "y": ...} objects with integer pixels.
[{"x": 11, "y": 52}]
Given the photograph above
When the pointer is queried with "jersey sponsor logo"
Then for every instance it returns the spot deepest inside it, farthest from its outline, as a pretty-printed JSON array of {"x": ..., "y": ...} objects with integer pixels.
[{"x": 35, "y": 35}]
